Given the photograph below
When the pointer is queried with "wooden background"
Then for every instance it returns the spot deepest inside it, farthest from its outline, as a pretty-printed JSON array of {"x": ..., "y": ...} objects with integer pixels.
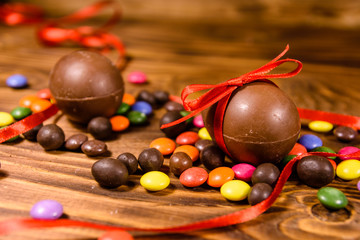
[{"x": 177, "y": 43}]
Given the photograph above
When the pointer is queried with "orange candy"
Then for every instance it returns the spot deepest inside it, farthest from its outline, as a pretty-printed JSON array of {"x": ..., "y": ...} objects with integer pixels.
[
  {"x": 298, "y": 149},
  {"x": 40, "y": 105},
  {"x": 333, "y": 163},
  {"x": 26, "y": 101},
  {"x": 119, "y": 123},
  {"x": 129, "y": 99},
  {"x": 190, "y": 150},
  {"x": 165, "y": 145},
  {"x": 219, "y": 176}
]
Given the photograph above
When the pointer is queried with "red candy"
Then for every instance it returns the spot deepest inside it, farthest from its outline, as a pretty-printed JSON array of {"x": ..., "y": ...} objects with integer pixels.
[
  {"x": 298, "y": 149},
  {"x": 193, "y": 177},
  {"x": 44, "y": 93},
  {"x": 187, "y": 138},
  {"x": 116, "y": 235}
]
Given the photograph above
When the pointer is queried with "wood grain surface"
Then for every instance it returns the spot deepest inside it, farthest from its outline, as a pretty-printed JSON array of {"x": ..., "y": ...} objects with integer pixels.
[{"x": 177, "y": 43}]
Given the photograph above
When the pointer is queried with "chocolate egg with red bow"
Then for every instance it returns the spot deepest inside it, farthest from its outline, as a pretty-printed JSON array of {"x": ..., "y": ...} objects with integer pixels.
[
  {"x": 260, "y": 124},
  {"x": 86, "y": 84}
]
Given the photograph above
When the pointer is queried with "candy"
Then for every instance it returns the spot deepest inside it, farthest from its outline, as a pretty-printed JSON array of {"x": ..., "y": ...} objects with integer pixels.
[
  {"x": 11, "y": 139},
  {"x": 44, "y": 94},
  {"x": 219, "y": 176},
  {"x": 119, "y": 123},
  {"x": 315, "y": 171},
  {"x": 86, "y": 84},
  {"x": 143, "y": 107},
  {"x": 348, "y": 169},
  {"x": 202, "y": 143},
  {"x": 358, "y": 185},
  {"x": 204, "y": 134},
  {"x": 345, "y": 134},
  {"x": 116, "y": 235},
  {"x": 75, "y": 141},
  {"x": 320, "y": 126},
  {"x": 184, "y": 114},
  {"x": 128, "y": 99},
  {"x": 324, "y": 149},
  {"x": 110, "y": 172},
  {"x": 235, "y": 190},
  {"x": 161, "y": 97},
  {"x": 190, "y": 150},
  {"x": 26, "y": 101},
  {"x": 165, "y": 145},
  {"x": 187, "y": 138},
  {"x": 243, "y": 171},
  {"x": 6, "y": 119},
  {"x": 150, "y": 159},
  {"x": 145, "y": 95},
  {"x": 179, "y": 162},
  {"x": 130, "y": 161},
  {"x": 155, "y": 181},
  {"x": 298, "y": 149},
  {"x": 19, "y": 113},
  {"x": 32, "y": 133},
  {"x": 332, "y": 198},
  {"x": 17, "y": 81},
  {"x": 285, "y": 161},
  {"x": 259, "y": 192},
  {"x": 123, "y": 109},
  {"x": 100, "y": 128},
  {"x": 265, "y": 173},
  {"x": 198, "y": 121},
  {"x": 173, "y": 106},
  {"x": 40, "y": 105},
  {"x": 310, "y": 141},
  {"x": 348, "y": 150},
  {"x": 173, "y": 131},
  {"x": 137, "y": 118},
  {"x": 212, "y": 157},
  {"x": 93, "y": 148},
  {"x": 137, "y": 77},
  {"x": 50, "y": 137},
  {"x": 193, "y": 177},
  {"x": 46, "y": 210}
]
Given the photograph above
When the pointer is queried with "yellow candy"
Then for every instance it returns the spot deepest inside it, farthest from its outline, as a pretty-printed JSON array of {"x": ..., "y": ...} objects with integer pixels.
[
  {"x": 5, "y": 119},
  {"x": 320, "y": 126},
  {"x": 235, "y": 190},
  {"x": 154, "y": 181},
  {"x": 348, "y": 169},
  {"x": 204, "y": 134}
]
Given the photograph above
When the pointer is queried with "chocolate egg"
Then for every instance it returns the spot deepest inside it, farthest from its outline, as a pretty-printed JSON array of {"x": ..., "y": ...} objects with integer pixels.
[
  {"x": 260, "y": 123},
  {"x": 85, "y": 85}
]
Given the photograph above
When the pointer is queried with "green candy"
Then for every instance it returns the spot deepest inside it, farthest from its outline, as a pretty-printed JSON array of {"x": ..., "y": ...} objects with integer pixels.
[
  {"x": 324, "y": 149},
  {"x": 20, "y": 112},
  {"x": 332, "y": 198},
  {"x": 285, "y": 161},
  {"x": 11, "y": 139},
  {"x": 137, "y": 118},
  {"x": 123, "y": 109},
  {"x": 184, "y": 114}
]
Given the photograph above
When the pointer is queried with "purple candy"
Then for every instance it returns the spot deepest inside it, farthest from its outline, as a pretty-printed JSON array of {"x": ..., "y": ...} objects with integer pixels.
[
  {"x": 358, "y": 185},
  {"x": 46, "y": 209},
  {"x": 348, "y": 150},
  {"x": 310, "y": 141},
  {"x": 243, "y": 171},
  {"x": 198, "y": 121}
]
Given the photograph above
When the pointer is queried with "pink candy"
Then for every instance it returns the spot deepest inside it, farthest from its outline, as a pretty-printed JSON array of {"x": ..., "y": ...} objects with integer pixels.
[
  {"x": 348, "y": 150},
  {"x": 137, "y": 77},
  {"x": 198, "y": 121},
  {"x": 243, "y": 171}
]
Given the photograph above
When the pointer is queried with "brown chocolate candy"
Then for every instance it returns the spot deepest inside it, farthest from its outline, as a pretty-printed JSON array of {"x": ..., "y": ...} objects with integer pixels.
[
  {"x": 93, "y": 148},
  {"x": 260, "y": 124},
  {"x": 150, "y": 159},
  {"x": 258, "y": 193},
  {"x": 75, "y": 141},
  {"x": 129, "y": 160},
  {"x": 85, "y": 85},
  {"x": 110, "y": 172},
  {"x": 179, "y": 162},
  {"x": 50, "y": 137}
]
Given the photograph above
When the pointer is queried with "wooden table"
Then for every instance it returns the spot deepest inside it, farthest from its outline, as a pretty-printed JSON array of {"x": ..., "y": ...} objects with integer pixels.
[{"x": 177, "y": 43}]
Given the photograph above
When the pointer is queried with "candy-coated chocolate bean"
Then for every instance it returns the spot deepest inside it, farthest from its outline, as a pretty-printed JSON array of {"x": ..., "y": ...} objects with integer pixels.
[
  {"x": 137, "y": 77},
  {"x": 265, "y": 173},
  {"x": 310, "y": 141},
  {"x": 202, "y": 143},
  {"x": 358, "y": 185},
  {"x": 315, "y": 171},
  {"x": 44, "y": 94},
  {"x": 123, "y": 109},
  {"x": 6, "y": 119},
  {"x": 173, "y": 106},
  {"x": 258, "y": 193},
  {"x": 333, "y": 163},
  {"x": 212, "y": 157},
  {"x": 110, "y": 172},
  {"x": 320, "y": 126},
  {"x": 348, "y": 169},
  {"x": 26, "y": 101},
  {"x": 174, "y": 131},
  {"x": 179, "y": 162},
  {"x": 298, "y": 149},
  {"x": 193, "y": 177},
  {"x": 32, "y": 133},
  {"x": 198, "y": 121},
  {"x": 51, "y": 137},
  {"x": 332, "y": 198},
  {"x": 40, "y": 105},
  {"x": 17, "y": 81},
  {"x": 204, "y": 134},
  {"x": 150, "y": 159},
  {"x": 235, "y": 190},
  {"x": 161, "y": 97},
  {"x": 184, "y": 114},
  {"x": 190, "y": 150},
  {"x": 143, "y": 107},
  {"x": 348, "y": 150},
  {"x": 345, "y": 134},
  {"x": 137, "y": 118},
  {"x": 285, "y": 161},
  {"x": 130, "y": 161},
  {"x": 128, "y": 99},
  {"x": 119, "y": 123},
  {"x": 187, "y": 138},
  {"x": 324, "y": 149},
  {"x": 219, "y": 176},
  {"x": 243, "y": 171},
  {"x": 145, "y": 95},
  {"x": 165, "y": 145},
  {"x": 94, "y": 148},
  {"x": 116, "y": 235},
  {"x": 100, "y": 128},
  {"x": 11, "y": 139},
  {"x": 46, "y": 210},
  {"x": 75, "y": 141},
  {"x": 19, "y": 113},
  {"x": 155, "y": 181}
]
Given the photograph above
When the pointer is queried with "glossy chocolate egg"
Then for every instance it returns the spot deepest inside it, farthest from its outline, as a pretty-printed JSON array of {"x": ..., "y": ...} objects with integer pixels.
[
  {"x": 85, "y": 85},
  {"x": 260, "y": 124}
]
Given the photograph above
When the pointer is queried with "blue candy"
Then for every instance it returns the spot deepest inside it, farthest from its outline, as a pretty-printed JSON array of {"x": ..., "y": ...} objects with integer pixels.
[
  {"x": 143, "y": 107},
  {"x": 17, "y": 81},
  {"x": 310, "y": 141}
]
